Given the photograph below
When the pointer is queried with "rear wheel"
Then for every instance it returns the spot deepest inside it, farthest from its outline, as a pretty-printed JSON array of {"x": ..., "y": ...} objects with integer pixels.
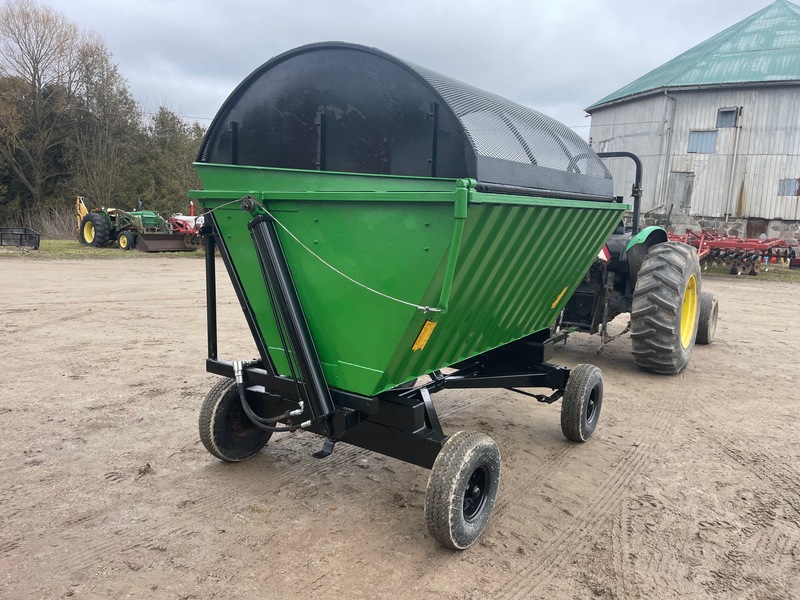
[
  {"x": 707, "y": 324},
  {"x": 126, "y": 240},
  {"x": 94, "y": 230},
  {"x": 583, "y": 399},
  {"x": 462, "y": 489},
  {"x": 87, "y": 230},
  {"x": 665, "y": 311},
  {"x": 225, "y": 430}
]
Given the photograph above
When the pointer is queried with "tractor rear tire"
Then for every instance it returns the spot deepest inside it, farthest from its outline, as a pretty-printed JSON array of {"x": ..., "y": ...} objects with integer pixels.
[
  {"x": 583, "y": 399},
  {"x": 665, "y": 308},
  {"x": 225, "y": 429},
  {"x": 87, "y": 233},
  {"x": 709, "y": 311},
  {"x": 462, "y": 489},
  {"x": 94, "y": 230},
  {"x": 82, "y": 231}
]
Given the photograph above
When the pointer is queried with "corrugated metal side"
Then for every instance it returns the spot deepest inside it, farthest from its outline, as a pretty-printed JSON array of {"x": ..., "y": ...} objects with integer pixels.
[
  {"x": 768, "y": 149},
  {"x": 517, "y": 267}
]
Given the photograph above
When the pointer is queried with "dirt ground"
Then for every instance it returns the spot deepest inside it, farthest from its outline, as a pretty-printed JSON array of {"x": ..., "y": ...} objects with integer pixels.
[{"x": 689, "y": 488}]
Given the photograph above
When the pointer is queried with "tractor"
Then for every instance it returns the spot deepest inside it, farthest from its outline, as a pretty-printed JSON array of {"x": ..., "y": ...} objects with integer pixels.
[
  {"x": 142, "y": 229},
  {"x": 654, "y": 279}
]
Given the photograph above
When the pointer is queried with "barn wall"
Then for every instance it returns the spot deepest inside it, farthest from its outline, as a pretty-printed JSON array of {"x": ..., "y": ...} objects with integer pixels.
[{"x": 711, "y": 185}]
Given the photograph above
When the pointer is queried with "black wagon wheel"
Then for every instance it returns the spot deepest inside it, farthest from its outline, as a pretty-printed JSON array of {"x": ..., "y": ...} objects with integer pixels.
[
  {"x": 664, "y": 311},
  {"x": 583, "y": 399},
  {"x": 707, "y": 324},
  {"x": 225, "y": 430},
  {"x": 126, "y": 240},
  {"x": 462, "y": 489}
]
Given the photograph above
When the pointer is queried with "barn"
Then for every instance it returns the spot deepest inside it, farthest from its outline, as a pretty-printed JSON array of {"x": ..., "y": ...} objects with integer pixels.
[{"x": 717, "y": 129}]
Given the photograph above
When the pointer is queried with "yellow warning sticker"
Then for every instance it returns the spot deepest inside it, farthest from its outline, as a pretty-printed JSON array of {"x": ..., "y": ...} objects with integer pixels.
[
  {"x": 560, "y": 296},
  {"x": 424, "y": 336}
]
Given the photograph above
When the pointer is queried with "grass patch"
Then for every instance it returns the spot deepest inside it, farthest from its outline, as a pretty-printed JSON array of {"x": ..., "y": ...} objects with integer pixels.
[{"x": 73, "y": 249}]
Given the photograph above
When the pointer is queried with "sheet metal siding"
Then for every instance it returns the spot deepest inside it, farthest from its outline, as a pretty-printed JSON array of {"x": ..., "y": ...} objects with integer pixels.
[
  {"x": 636, "y": 127},
  {"x": 768, "y": 149},
  {"x": 517, "y": 268}
]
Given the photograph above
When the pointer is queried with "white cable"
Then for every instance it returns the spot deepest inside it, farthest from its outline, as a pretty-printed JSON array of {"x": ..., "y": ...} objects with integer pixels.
[{"x": 424, "y": 309}]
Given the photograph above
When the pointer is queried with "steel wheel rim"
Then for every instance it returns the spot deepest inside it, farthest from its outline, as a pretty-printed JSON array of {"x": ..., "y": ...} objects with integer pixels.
[
  {"x": 591, "y": 406},
  {"x": 475, "y": 493},
  {"x": 689, "y": 311},
  {"x": 238, "y": 423},
  {"x": 88, "y": 231},
  {"x": 123, "y": 241}
]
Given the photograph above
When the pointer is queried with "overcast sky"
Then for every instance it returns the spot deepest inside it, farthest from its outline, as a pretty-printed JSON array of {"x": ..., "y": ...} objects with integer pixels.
[{"x": 556, "y": 56}]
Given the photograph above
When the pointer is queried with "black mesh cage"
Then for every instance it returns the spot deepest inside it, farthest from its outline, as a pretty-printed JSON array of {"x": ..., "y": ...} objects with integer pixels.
[{"x": 342, "y": 107}]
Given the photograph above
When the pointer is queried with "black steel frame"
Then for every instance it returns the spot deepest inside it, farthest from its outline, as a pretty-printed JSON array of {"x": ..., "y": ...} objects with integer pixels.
[
  {"x": 19, "y": 236},
  {"x": 401, "y": 423}
]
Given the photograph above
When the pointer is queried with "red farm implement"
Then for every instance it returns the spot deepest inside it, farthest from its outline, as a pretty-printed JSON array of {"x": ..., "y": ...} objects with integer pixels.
[{"x": 739, "y": 255}]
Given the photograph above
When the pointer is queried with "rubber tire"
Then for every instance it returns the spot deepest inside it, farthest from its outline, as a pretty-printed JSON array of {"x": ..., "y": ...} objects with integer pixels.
[
  {"x": 101, "y": 231},
  {"x": 225, "y": 430},
  {"x": 126, "y": 240},
  {"x": 81, "y": 237},
  {"x": 462, "y": 455},
  {"x": 709, "y": 311},
  {"x": 81, "y": 234},
  {"x": 584, "y": 391},
  {"x": 657, "y": 307}
]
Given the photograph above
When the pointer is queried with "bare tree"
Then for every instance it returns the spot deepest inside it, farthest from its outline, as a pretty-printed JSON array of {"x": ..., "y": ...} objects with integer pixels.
[
  {"x": 39, "y": 52},
  {"x": 108, "y": 120}
]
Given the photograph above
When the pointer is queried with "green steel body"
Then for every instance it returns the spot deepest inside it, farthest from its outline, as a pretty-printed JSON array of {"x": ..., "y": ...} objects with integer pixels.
[{"x": 492, "y": 268}]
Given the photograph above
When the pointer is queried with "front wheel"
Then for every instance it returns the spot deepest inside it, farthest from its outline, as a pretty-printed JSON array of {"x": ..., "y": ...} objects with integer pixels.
[
  {"x": 583, "y": 399},
  {"x": 462, "y": 489},
  {"x": 225, "y": 429},
  {"x": 664, "y": 311},
  {"x": 709, "y": 311},
  {"x": 126, "y": 240}
]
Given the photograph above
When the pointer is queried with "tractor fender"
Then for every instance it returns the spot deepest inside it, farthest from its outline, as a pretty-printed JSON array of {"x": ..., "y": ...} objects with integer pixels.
[
  {"x": 637, "y": 249},
  {"x": 658, "y": 235}
]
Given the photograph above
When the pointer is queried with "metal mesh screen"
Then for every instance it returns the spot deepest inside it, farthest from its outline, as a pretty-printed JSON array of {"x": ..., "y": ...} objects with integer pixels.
[{"x": 499, "y": 128}]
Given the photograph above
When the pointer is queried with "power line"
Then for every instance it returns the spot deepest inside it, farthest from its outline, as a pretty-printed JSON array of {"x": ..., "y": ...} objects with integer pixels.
[{"x": 152, "y": 114}]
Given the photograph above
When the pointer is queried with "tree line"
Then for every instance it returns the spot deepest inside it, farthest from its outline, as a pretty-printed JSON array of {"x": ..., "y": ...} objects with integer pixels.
[{"x": 69, "y": 125}]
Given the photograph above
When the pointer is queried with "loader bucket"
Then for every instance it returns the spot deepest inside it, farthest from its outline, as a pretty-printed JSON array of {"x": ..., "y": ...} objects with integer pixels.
[{"x": 166, "y": 242}]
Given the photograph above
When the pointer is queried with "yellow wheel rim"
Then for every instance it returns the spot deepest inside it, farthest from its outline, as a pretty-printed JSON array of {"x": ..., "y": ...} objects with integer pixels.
[
  {"x": 123, "y": 241},
  {"x": 689, "y": 312},
  {"x": 88, "y": 232}
]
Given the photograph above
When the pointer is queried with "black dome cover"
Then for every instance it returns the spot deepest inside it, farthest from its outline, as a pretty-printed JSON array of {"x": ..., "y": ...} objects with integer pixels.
[{"x": 343, "y": 107}]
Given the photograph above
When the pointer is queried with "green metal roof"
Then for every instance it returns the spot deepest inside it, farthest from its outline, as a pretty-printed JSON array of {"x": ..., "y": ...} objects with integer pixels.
[{"x": 764, "y": 47}]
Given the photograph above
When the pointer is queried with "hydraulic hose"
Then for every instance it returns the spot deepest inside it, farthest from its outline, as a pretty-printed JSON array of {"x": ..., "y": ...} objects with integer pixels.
[{"x": 265, "y": 424}]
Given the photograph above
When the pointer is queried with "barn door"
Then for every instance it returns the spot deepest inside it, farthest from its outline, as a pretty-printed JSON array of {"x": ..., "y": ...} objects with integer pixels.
[{"x": 680, "y": 192}]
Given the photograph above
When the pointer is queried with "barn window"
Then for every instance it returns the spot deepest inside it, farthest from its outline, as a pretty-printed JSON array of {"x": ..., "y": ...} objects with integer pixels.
[
  {"x": 702, "y": 142},
  {"x": 789, "y": 187},
  {"x": 726, "y": 117}
]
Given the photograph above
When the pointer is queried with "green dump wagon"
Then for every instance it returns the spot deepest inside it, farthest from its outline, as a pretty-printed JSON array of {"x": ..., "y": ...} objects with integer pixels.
[{"x": 391, "y": 232}]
